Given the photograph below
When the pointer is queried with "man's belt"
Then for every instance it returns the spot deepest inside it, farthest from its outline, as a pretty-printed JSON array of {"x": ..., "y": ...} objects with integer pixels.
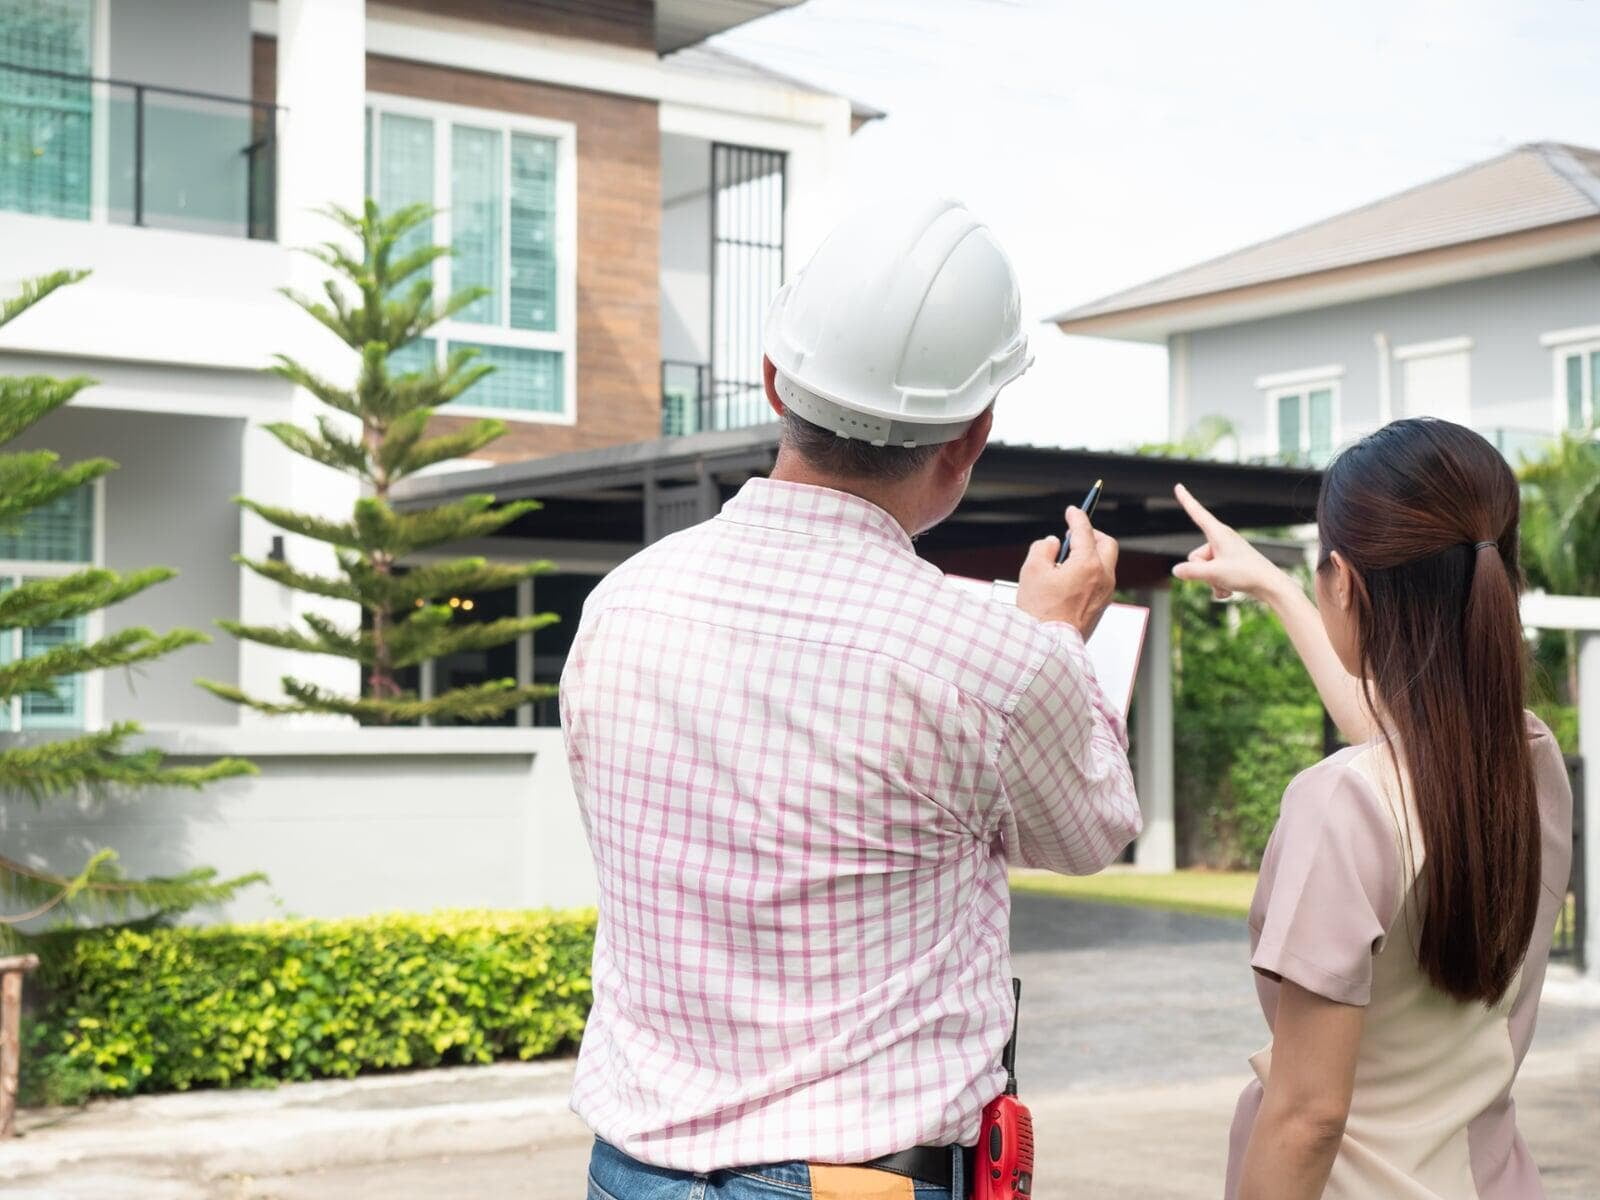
[{"x": 927, "y": 1164}]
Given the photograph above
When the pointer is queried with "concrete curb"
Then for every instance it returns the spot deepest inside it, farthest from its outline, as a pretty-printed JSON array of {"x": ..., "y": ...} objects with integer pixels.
[{"x": 306, "y": 1127}]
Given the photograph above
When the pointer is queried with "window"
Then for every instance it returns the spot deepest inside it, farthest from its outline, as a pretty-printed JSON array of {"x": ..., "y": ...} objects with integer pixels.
[
  {"x": 505, "y": 188},
  {"x": 46, "y": 122},
  {"x": 56, "y": 539},
  {"x": 1578, "y": 385},
  {"x": 1302, "y": 414}
]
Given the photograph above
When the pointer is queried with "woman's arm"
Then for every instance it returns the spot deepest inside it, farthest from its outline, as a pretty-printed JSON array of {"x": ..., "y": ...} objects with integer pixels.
[
  {"x": 1300, "y": 1124},
  {"x": 1230, "y": 564}
]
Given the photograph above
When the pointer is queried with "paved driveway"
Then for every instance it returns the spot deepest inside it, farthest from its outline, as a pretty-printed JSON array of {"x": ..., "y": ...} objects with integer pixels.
[{"x": 1127, "y": 996}]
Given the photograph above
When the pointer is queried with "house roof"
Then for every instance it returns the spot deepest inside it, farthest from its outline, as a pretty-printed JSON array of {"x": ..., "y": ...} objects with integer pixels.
[
  {"x": 1537, "y": 203},
  {"x": 681, "y": 23},
  {"x": 715, "y": 61}
]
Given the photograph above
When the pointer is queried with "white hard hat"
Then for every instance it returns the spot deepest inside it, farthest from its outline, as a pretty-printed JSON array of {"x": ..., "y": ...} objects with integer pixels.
[{"x": 903, "y": 327}]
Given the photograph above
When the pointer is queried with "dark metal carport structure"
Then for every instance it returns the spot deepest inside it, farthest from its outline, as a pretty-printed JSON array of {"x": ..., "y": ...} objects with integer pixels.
[
  {"x": 599, "y": 506},
  {"x": 628, "y": 496}
]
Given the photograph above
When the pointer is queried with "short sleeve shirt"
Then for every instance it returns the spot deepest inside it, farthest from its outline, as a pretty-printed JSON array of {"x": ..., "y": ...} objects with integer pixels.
[{"x": 1335, "y": 912}]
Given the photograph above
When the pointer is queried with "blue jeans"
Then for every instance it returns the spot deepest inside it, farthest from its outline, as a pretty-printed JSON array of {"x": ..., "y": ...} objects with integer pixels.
[{"x": 615, "y": 1176}]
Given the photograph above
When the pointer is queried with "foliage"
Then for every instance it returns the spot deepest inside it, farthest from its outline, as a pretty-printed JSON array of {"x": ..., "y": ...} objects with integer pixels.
[
  {"x": 1201, "y": 441},
  {"x": 1563, "y": 722},
  {"x": 1561, "y": 517},
  {"x": 379, "y": 304},
  {"x": 37, "y": 770},
  {"x": 1561, "y": 529},
  {"x": 1246, "y": 721},
  {"x": 162, "y": 1009}
]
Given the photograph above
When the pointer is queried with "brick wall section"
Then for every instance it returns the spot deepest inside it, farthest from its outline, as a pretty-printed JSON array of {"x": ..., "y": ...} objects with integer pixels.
[
  {"x": 619, "y": 244},
  {"x": 619, "y": 22}
]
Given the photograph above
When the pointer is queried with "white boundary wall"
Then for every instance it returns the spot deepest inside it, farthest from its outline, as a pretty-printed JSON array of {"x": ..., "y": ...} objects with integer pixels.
[{"x": 344, "y": 822}]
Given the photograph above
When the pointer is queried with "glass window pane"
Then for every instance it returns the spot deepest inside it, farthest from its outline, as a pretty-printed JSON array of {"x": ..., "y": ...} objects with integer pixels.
[
  {"x": 529, "y": 380},
  {"x": 1574, "y": 365},
  {"x": 1319, "y": 420},
  {"x": 1289, "y": 426},
  {"x": 476, "y": 216},
  {"x": 64, "y": 710},
  {"x": 413, "y": 356},
  {"x": 1594, "y": 386},
  {"x": 533, "y": 232},
  {"x": 45, "y": 122},
  {"x": 405, "y": 170},
  {"x": 61, "y": 531}
]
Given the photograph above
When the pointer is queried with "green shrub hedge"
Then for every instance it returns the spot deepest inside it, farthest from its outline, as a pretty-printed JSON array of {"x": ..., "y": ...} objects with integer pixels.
[{"x": 143, "y": 1010}]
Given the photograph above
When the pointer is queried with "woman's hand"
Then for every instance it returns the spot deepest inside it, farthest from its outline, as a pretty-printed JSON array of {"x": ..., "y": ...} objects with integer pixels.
[
  {"x": 1227, "y": 562},
  {"x": 1230, "y": 564}
]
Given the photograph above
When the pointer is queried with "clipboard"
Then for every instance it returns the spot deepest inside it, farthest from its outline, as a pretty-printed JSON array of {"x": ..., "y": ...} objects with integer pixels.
[{"x": 1114, "y": 650}]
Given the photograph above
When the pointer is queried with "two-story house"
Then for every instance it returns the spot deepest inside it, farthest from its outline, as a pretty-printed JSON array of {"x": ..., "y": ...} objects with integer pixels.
[
  {"x": 1475, "y": 297},
  {"x": 631, "y": 197}
]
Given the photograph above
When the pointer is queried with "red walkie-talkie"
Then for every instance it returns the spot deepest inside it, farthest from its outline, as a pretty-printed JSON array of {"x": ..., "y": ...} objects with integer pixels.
[{"x": 1003, "y": 1166}]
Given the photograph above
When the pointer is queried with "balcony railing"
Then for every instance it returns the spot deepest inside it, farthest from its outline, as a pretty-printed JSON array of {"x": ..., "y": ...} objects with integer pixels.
[
  {"x": 87, "y": 148},
  {"x": 690, "y": 403}
]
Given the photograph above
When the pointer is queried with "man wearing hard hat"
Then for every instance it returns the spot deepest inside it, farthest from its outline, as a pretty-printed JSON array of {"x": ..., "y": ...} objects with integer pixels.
[{"x": 805, "y": 761}]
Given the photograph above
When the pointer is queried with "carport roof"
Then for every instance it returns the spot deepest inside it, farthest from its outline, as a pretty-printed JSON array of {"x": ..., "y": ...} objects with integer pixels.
[{"x": 1017, "y": 493}]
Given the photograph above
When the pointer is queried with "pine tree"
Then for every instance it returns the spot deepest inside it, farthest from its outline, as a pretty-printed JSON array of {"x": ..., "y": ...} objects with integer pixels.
[
  {"x": 378, "y": 305},
  {"x": 36, "y": 770}
]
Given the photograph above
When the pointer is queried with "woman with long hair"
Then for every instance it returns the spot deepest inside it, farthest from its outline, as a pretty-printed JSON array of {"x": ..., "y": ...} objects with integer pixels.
[{"x": 1408, "y": 895}]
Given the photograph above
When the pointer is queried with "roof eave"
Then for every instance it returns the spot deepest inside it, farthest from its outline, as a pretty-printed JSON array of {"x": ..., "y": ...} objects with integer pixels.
[
  {"x": 682, "y": 23},
  {"x": 1435, "y": 267}
]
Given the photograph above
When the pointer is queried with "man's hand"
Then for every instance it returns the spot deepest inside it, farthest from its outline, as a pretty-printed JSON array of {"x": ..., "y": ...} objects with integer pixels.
[{"x": 1077, "y": 591}]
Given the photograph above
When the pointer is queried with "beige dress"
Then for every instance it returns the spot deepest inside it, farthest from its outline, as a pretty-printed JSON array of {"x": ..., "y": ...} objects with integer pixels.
[{"x": 1432, "y": 1116}]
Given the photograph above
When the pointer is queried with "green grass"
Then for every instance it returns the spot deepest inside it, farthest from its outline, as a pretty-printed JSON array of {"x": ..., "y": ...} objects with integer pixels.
[{"x": 1206, "y": 893}]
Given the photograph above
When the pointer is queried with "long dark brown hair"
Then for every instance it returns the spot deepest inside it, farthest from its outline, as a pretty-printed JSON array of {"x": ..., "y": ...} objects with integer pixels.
[{"x": 1425, "y": 514}]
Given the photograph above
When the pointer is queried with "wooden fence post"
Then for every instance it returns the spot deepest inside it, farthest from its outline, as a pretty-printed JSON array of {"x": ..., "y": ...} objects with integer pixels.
[{"x": 11, "y": 972}]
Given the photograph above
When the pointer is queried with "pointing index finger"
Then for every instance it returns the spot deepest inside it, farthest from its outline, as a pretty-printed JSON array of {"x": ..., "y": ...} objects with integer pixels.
[{"x": 1198, "y": 513}]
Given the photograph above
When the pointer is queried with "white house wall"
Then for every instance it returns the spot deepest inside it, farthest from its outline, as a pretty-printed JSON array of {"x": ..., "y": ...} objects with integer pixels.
[
  {"x": 347, "y": 823},
  {"x": 685, "y": 249},
  {"x": 1504, "y": 316},
  {"x": 150, "y": 522}
]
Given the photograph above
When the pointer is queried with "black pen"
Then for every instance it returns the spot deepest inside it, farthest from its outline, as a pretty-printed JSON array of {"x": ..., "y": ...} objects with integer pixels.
[{"x": 1088, "y": 504}]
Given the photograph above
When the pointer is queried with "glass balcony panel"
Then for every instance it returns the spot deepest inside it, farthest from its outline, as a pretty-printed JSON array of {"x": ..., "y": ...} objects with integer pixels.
[{"x": 85, "y": 149}]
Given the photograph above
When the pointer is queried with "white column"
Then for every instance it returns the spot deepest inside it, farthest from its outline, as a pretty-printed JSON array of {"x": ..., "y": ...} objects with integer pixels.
[
  {"x": 1157, "y": 848},
  {"x": 1177, "y": 387},
  {"x": 525, "y": 651},
  {"x": 321, "y": 88},
  {"x": 1589, "y": 803}
]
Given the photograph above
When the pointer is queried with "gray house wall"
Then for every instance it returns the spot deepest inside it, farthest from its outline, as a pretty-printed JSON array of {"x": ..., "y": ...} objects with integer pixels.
[
  {"x": 201, "y": 45},
  {"x": 1511, "y": 373},
  {"x": 169, "y": 504},
  {"x": 196, "y": 175}
]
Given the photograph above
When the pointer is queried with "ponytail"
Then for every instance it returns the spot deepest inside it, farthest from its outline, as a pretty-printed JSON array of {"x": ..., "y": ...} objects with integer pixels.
[{"x": 1425, "y": 512}]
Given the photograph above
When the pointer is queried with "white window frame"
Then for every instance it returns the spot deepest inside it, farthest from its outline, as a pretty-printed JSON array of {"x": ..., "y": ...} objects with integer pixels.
[
  {"x": 563, "y": 338},
  {"x": 1562, "y": 343},
  {"x": 94, "y": 623},
  {"x": 1303, "y": 383}
]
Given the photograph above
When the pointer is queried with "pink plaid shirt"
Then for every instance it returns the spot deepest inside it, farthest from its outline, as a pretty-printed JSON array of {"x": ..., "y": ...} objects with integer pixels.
[{"x": 805, "y": 760}]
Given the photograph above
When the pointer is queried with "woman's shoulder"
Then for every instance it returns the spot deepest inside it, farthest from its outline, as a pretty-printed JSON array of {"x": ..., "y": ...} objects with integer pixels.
[
  {"x": 1551, "y": 780},
  {"x": 1353, "y": 783}
]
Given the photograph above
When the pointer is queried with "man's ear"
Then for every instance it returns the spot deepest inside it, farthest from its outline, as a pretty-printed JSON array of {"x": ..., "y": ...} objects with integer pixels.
[
  {"x": 769, "y": 377},
  {"x": 960, "y": 455}
]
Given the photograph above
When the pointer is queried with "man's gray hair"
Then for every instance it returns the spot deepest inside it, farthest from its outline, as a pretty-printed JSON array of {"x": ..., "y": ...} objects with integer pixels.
[{"x": 852, "y": 458}]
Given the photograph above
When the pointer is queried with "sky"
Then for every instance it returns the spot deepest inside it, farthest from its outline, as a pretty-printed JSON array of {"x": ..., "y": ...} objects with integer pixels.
[{"x": 1107, "y": 143}]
